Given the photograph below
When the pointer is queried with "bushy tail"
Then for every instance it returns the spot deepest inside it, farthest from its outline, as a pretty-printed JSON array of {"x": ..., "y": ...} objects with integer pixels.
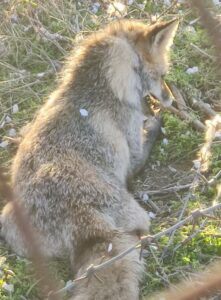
[{"x": 118, "y": 281}]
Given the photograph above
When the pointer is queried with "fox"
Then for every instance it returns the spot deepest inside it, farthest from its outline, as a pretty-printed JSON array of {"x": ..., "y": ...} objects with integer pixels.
[{"x": 71, "y": 168}]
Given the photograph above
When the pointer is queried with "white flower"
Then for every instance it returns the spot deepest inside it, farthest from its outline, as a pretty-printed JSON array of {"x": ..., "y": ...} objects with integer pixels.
[
  {"x": 95, "y": 7},
  {"x": 192, "y": 70},
  {"x": 15, "y": 108},
  {"x": 167, "y": 2},
  {"x": 163, "y": 130},
  {"x": 196, "y": 164},
  {"x": 8, "y": 119},
  {"x": 165, "y": 141},
  {"x": 218, "y": 135},
  {"x": 145, "y": 197},
  {"x": 152, "y": 215},
  {"x": 12, "y": 132},
  {"x": 190, "y": 29},
  {"x": 8, "y": 287},
  {"x": 4, "y": 144},
  {"x": 83, "y": 112}
]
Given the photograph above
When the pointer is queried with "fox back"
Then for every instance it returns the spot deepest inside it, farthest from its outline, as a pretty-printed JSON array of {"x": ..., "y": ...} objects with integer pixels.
[{"x": 71, "y": 168}]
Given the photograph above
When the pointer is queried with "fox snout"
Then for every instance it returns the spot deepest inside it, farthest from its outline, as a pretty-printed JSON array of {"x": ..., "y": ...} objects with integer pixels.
[
  {"x": 167, "y": 97},
  {"x": 161, "y": 91}
]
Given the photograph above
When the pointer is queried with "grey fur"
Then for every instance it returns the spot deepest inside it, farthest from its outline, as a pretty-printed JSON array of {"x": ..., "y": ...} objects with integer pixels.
[{"x": 70, "y": 171}]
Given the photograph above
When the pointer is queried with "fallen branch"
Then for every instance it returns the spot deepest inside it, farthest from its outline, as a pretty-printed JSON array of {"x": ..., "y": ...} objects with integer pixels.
[
  {"x": 182, "y": 111},
  {"x": 203, "y": 107},
  {"x": 171, "y": 189},
  {"x": 186, "y": 116}
]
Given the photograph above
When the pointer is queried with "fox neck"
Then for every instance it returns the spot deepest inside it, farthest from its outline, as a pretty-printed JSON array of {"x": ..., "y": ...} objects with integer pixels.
[{"x": 123, "y": 72}]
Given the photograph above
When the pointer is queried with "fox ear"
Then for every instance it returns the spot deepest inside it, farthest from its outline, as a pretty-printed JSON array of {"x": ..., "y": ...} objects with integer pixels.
[{"x": 162, "y": 34}]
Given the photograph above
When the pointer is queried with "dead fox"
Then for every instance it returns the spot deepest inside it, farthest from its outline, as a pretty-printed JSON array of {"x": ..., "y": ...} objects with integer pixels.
[{"x": 70, "y": 172}]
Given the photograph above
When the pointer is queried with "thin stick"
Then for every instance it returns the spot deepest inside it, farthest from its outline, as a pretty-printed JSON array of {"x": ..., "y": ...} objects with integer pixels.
[{"x": 144, "y": 240}]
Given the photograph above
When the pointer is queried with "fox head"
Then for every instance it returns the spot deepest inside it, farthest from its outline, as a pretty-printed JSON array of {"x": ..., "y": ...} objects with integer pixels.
[
  {"x": 132, "y": 56},
  {"x": 153, "y": 46}
]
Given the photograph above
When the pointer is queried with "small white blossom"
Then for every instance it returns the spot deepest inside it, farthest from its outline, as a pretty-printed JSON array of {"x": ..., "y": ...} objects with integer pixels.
[
  {"x": 110, "y": 247},
  {"x": 141, "y": 5},
  {"x": 40, "y": 75},
  {"x": 218, "y": 135},
  {"x": 190, "y": 29},
  {"x": 95, "y": 7},
  {"x": 196, "y": 164},
  {"x": 12, "y": 132},
  {"x": 14, "y": 18},
  {"x": 167, "y": 2},
  {"x": 163, "y": 130},
  {"x": 8, "y": 119},
  {"x": 83, "y": 112},
  {"x": 192, "y": 70},
  {"x": 145, "y": 197},
  {"x": 15, "y": 108},
  {"x": 4, "y": 144},
  {"x": 165, "y": 141},
  {"x": 8, "y": 287},
  {"x": 152, "y": 215}
]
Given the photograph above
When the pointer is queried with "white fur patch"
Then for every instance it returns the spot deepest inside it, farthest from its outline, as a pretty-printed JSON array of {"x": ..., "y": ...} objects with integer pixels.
[{"x": 123, "y": 79}]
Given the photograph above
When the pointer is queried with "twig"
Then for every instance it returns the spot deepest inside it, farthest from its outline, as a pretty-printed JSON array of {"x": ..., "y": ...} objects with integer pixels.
[
  {"x": 213, "y": 180},
  {"x": 204, "y": 53},
  {"x": 179, "y": 97},
  {"x": 171, "y": 189},
  {"x": 203, "y": 107},
  {"x": 189, "y": 238},
  {"x": 164, "y": 12},
  {"x": 144, "y": 240},
  {"x": 186, "y": 200},
  {"x": 185, "y": 116}
]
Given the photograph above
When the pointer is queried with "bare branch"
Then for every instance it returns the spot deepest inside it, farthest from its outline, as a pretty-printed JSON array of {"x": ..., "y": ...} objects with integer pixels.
[{"x": 145, "y": 240}]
